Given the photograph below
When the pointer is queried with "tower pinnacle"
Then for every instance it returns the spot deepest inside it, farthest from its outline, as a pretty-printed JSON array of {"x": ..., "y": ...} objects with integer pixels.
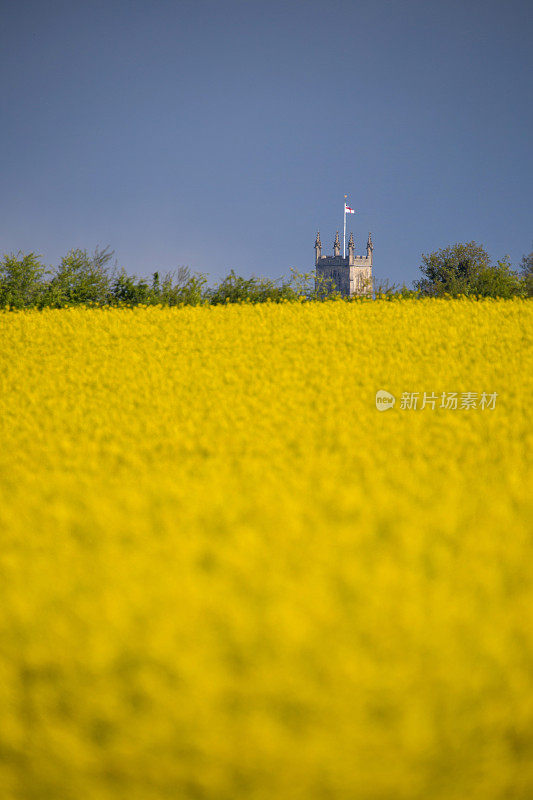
[
  {"x": 318, "y": 247},
  {"x": 337, "y": 245},
  {"x": 351, "y": 249},
  {"x": 369, "y": 248}
]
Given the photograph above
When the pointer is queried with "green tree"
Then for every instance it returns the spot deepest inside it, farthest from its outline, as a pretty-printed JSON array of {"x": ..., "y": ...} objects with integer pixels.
[
  {"x": 127, "y": 290},
  {"x": 184, "y": 288},
  {"x": 82, "y": 278},
  {"x": 453, "y": 269},
  {"x": 235, "y": 289},
  {"x": 526, "y": 269},
  {"x": 467, "y": 269},
  {"x": 22, "y": 281},
  {"x": 497, "y": 281}
]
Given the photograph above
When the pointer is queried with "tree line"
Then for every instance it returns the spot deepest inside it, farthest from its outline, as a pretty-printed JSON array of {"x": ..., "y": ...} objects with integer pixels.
[{"x": 84, "y": 278}]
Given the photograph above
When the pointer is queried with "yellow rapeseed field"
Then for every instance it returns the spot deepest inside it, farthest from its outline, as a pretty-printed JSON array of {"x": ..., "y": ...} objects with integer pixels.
[{"x": 224, "y": 574}]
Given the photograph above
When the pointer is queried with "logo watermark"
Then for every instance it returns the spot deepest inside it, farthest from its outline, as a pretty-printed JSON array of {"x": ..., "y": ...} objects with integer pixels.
[{"x": 384, "y": 400}]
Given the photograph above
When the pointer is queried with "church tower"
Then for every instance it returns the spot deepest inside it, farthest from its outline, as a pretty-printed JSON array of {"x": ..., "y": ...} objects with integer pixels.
[{"x": 349, "y": 276}]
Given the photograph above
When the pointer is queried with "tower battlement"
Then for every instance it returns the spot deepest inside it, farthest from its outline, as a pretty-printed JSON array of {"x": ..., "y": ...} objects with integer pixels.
[{"x": 348, "y": 276}]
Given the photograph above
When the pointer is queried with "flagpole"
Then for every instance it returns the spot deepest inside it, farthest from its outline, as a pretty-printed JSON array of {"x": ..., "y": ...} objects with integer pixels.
[{"x": 344, "y": 239}]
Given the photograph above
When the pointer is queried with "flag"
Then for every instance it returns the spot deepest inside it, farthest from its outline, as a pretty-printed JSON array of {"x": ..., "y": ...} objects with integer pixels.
[{"x": 348, "y": 210}]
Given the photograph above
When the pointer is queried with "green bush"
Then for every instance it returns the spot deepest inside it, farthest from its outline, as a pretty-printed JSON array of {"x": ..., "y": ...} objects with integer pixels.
[
  {"x": 81, "y": 279},
  {"x": 22, "y": 281},
  {"x": 498, "y": 281},
  {"x": 127, "y": 290},
  {"x": 466, "y": 269},
  {"x": 183, "y": 288},
  {"x": 235, "y": 289},
  {"x": 526, "y": 270}
]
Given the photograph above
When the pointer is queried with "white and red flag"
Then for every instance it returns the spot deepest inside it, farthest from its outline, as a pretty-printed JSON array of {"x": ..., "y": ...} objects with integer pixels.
[{"x": 347, "y": 210}]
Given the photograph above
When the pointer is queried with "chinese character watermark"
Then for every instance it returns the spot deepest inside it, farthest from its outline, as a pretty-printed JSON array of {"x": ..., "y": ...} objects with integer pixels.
[{"x": 450, "y": 401}]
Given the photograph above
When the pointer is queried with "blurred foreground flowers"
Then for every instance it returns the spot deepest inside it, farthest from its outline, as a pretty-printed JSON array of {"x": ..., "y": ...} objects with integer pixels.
[{"x": 224, "y": 574}]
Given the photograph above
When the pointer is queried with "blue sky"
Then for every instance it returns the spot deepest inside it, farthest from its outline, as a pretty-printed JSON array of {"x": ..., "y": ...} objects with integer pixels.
[{"x": 221, "y": 134}]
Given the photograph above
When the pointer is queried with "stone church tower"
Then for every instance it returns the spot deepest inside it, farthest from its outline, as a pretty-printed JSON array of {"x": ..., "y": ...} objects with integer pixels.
[{"x": 349, "y": 276}]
